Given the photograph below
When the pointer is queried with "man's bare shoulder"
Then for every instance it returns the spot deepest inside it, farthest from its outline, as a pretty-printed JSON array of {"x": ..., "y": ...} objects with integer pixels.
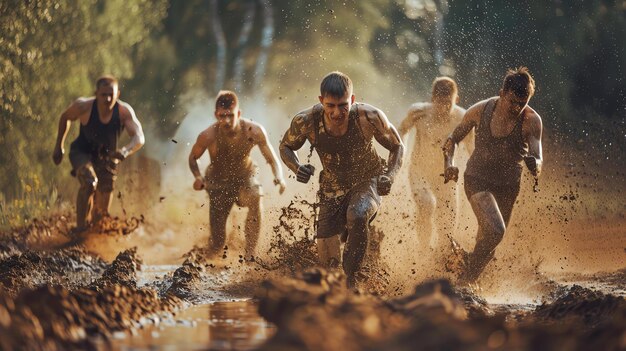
[
  {"x": 531, "y": 117},
  {"x": 251, "y": 127},
  {"x": 457, "y": 112},
  {"x": 304, "y": 121},
  {"x": 420, "y": 107},
  {"x": 373, "y": 115},
  {"x": 125, "y": 109},
  {"x": 208, "y": 134},
  {"x": 82, "y": 104},
  {"x": 476, "y": 110}
]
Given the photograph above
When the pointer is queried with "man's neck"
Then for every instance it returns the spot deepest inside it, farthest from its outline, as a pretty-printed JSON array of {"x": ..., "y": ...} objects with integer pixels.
[{"x": 336, "y": 130}]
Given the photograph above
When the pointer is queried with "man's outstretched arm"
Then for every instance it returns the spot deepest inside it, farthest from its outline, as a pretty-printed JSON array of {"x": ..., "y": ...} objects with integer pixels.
[
  {"x": 133, "y": 128},
  {"x": 387, "y": 135},
  {"x": 459, "y": 133},
  {"x": 270, "y": 156},
  {"x": 292, "y": 141},
  {"x": 72, "y": 113},
  {"x": 534, "y": 159}
]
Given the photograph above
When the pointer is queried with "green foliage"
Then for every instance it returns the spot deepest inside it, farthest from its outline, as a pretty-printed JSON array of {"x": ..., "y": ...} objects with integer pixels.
[{"x": 50, "y": 53}]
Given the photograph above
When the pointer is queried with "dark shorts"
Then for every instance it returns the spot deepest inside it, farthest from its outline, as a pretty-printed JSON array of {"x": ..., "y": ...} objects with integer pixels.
[
  {"x": 505, "y": 194},
  {"x": 104, "y": 170},
  {"x": 332, "y": 217}
]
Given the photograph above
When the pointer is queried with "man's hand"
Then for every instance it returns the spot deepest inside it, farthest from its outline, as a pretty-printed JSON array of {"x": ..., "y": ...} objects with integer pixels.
[
  {"x": 281, "y": 183},
  {"x": 118, "y": 155},
  {"x": 304, "y": 173},
  {"x": 57, "y": 155},
  {"x": 198, "y": 184},
  {"x": 531, "y": 163},
  {"x": 451, "y": 173},
  {"x": 383, "y": 185}
]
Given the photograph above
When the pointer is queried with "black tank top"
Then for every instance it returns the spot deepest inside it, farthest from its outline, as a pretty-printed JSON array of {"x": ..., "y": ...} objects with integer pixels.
[
  {"x": 347, "y": 160},
  {"x": 497, "y": 160},
  {"x": 98, "y": 138}
]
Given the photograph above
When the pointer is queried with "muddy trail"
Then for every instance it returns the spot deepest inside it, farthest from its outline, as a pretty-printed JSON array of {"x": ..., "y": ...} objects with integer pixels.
[{"x": 55, "y": 296}]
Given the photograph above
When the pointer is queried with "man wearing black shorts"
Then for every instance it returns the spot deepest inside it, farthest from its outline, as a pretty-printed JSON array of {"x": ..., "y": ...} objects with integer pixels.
[
  {"x": 94, "y": 154},
  {"x": 353, "y": 176},
  {"x": 508, "y": 131}
]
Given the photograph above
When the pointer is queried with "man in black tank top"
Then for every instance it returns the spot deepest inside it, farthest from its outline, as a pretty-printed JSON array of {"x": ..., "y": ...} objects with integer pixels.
[
  {"x": 508, "y": 131},
  {"x": 94, "y": 154},
  {"x": 353, "y": 176},
  {"x": 230, "y": 178}
]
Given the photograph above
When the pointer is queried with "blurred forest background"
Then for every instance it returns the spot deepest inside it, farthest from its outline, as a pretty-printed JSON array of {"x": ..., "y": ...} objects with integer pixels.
[{"x": 169, "y": 53}]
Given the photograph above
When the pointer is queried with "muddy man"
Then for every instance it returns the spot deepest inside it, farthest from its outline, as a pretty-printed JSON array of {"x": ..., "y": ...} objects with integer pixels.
[
  {"x": 437, "y": 204},
  {"x": 508, "y": 131},
  {"x": 230, "y": 177},
  {"x": 94, "y": 154},
  {"x": 353, "y": 177}
]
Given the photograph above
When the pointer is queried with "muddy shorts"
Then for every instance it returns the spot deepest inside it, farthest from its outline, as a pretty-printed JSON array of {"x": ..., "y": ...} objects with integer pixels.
[
  {"x": 102, "y": 168},
  {"x": 505, "y": 194},
  {"x": 332, "y": 218},
  {"x": 233, "y": 191}
]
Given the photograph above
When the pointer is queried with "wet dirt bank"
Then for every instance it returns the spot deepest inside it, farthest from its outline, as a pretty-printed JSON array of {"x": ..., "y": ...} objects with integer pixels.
[{"x": 316, "y": 312}]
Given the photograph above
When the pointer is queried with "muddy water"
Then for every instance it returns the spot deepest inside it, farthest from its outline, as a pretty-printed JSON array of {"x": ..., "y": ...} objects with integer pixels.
[{"x": 226, "y": 325}]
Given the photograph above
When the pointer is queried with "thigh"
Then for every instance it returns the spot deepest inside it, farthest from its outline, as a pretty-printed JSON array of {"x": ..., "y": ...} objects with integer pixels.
[
  {"x": 506, "y": 197},
  {"x": 364, "y": 199},
  {"x": 331, "y": 219},
  {"x": 79, "y": 159},
  {"x": 249, "y": 194}
]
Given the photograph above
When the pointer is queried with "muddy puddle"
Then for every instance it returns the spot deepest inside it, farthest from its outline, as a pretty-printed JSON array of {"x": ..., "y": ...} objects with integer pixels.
[{"x": 226, "y": 325}]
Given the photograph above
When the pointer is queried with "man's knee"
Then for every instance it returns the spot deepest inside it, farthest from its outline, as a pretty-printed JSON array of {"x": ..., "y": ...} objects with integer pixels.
[
  {"x": 87, "y": 178},
  {"x": 359, "y": 214}
]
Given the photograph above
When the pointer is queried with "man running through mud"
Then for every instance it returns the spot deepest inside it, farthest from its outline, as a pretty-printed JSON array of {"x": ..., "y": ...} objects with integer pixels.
[
  {"x": 508, "y": 131},
  {"x": 437, "y": 205},
  {"x": 94, "y": 153},
  {"x": 353, "y": 177},
  {"x": 230, "y": 178}
]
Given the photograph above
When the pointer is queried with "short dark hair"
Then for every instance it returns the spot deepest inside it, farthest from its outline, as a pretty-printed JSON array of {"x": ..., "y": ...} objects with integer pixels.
[
  {"x": 106, "y": 80},
  {"x": 444, "y": 87},
  {"x": 226, "y": 99},
  {"x": 336, "y": 84},
  {"x": 519, "y": 81}
]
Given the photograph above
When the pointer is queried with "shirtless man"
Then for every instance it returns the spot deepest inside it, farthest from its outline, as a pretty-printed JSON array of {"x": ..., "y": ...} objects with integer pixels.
[
  {"x": 508, "y": 131},
  {"x": 436, "y": 204},
  {"x": 353, "y": 177},
  {"x": 229, "y": 179},
  {"x": 94, "y": 154}
]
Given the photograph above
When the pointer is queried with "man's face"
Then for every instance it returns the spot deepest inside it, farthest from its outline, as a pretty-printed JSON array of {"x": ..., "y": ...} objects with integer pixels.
[
  {"x": 513, "y": 103},
  {"x": 442, "y": 105},
  {"x": 337, "y": 109},
  {"x": 228, "y": 118},
  {"x": 107, "y": 95}
]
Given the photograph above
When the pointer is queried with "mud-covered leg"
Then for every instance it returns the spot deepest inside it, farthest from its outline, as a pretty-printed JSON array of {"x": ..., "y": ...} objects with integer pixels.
[
  {"x": 219, "y": 208},
  {"x": 102, "y": 203},
  {"x": 446, "y": 214},
  {"x": 491, "y": 228},
  {"x": 329, "y": 252},
  {"x": 250, "y": 197},
  {"x": 425, "y": 203},
  {"x": 362, "y": 207},
  {"x": 84, "y": 200}
]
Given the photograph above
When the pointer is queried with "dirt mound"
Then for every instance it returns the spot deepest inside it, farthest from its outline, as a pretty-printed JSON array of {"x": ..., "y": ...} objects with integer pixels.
[
  {"x": 581, "y": 305},
  {"x": 122, "y": 271},
  {"x": 70, "y": 267},
  {"x": 435, "y": 316}
]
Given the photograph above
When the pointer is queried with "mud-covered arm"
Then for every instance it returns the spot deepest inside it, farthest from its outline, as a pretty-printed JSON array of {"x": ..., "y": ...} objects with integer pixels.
[
  {"x": 293, "y": 140},
  {"x": 133, "y": 128},
  {"x": 387, "y": 135},
  {"x": 197, "y": 150},
  {"x": 409, "y": 121},
  {"x": 458, "y": 134},
  {"x": 70, "y": 114},
  {"x": 533, "y": 133},
  {"x": 268, "y": 153}
]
